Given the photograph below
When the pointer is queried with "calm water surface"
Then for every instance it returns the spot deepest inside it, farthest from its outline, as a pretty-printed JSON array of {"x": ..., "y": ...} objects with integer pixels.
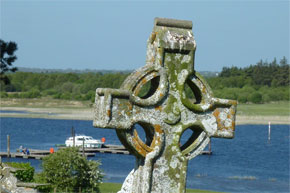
[{"x": 247, "y": 163}]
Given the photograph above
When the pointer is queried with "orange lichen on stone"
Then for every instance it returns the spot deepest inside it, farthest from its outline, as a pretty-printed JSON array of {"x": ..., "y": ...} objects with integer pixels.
[
  {"x": 158, "y": 108},
  {"x": 130, "y": 106},
  {"x": 158, "y": 128},
  {"x": 141, "y": 147},
  {"x": 153, "y": 36},
  {"x": 156, "y": 140},
  {"x": 216, "y": 113},
  {"x": 144, "y": 80},
  {"x": 233, "y": 125},
  {"x": 203, "y": 90}
]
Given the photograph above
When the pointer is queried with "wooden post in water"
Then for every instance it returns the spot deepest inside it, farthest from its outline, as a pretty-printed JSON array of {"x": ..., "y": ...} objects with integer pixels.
[
  {"x": 73, "y": 135},
  {"x": 8, "y": 145},
  {"x": 83, "y": 147},
  {"x": 209, "y": 146},
  {"x": 269, "y": 131}
]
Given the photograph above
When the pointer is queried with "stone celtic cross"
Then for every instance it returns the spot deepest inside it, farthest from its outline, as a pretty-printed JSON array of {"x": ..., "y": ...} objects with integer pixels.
[{"x": 155, "y": 98}]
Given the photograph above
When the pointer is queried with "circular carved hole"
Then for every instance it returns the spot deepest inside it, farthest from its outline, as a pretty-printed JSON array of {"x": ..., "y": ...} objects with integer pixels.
[
  {"x": 192, "y": 92},
  {"x": 145, "y": 132},
  {"x": 188, "y": 136},
  {"x": 149, "y": 88}
]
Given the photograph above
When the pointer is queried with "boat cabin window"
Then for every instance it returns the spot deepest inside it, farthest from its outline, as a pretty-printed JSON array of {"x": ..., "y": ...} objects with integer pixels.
[{"x": 80, "y": 139}]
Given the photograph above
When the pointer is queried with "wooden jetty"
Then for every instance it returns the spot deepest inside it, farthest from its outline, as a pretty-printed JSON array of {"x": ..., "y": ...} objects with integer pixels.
[
  {"x": 21, "y": 155},
  {"x": 88, "y": 152},
  {"x": 33, "y": 155},
  {"x": 114, "y": 149}
]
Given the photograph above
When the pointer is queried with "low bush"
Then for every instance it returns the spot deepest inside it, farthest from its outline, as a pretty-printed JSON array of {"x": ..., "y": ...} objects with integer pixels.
[
  {"x": 67, "y": 170},
  {"x": 24, "y": 172},
  {"x": 255, "y": 97},
  {"x": 3, "y": 95}
]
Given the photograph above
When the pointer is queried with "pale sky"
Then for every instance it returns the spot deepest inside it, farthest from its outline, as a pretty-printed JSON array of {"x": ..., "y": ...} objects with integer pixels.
[{"x": 112, "y": 35}]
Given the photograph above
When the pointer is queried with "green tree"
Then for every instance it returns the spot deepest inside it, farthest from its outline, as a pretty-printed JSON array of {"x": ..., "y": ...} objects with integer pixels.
[
  {"x": 67, "y": 87},
  {"x": 255, "y": 97},
  {"x": 243, "y": 97},
  {"x": 7, "y": 57},
  {"x": 68, "y": 170},
  {"x": 65, "y": 96},
  {"x": 34, "y": 93}
]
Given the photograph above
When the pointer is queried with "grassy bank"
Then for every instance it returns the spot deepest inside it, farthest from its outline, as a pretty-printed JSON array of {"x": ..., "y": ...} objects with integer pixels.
[
  {"x": 115, "y": 187},
  {"x": 44, "y": 103},
  {"x": 277, "y": 113},
  {"x": 269, "y": 109}
]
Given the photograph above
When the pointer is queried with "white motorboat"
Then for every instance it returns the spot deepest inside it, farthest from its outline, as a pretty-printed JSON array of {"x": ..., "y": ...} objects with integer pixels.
[{"x": 88, "y": 141}]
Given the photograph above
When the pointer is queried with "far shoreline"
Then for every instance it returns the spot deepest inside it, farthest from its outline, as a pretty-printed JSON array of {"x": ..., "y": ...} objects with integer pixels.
[{"x": 86, "y": 113}]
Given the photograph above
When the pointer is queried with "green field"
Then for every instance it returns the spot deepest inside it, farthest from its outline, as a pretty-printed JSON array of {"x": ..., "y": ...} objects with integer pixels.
[
  {"x": 44, "y": 102},
  {"x": 276, "y": 113},
  {"x": 269, "y": 109},
  {"x": 115, "y": 187}
]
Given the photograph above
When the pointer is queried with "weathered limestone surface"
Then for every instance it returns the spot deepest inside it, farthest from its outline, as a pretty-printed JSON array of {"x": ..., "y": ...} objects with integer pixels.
[
  {"x": 8, "y": 182},
  {"x": 164, "y": 111}
]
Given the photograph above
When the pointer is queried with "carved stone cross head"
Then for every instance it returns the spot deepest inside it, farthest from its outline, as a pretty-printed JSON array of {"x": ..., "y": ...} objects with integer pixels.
[{"x": 166, "y": 97}]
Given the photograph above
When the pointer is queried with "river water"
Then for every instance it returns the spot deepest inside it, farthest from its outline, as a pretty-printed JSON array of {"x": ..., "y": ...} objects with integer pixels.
[{"x": 247, "y": 163}]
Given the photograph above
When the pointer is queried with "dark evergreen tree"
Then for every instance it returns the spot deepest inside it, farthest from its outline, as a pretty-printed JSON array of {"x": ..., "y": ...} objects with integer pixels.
[
  {"x": 261, "y": 74},
  {"x": 7, "y": 57},
  {"x": 283, "y": 61}
]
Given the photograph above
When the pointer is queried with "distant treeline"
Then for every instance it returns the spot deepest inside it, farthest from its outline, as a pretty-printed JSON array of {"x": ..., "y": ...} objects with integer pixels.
[
  {"x": 263, "y": 82},
  {"x": 260, "y": 83},
  {"x": 69, "y": 70},
  {"x": 70, "y": 86}
]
